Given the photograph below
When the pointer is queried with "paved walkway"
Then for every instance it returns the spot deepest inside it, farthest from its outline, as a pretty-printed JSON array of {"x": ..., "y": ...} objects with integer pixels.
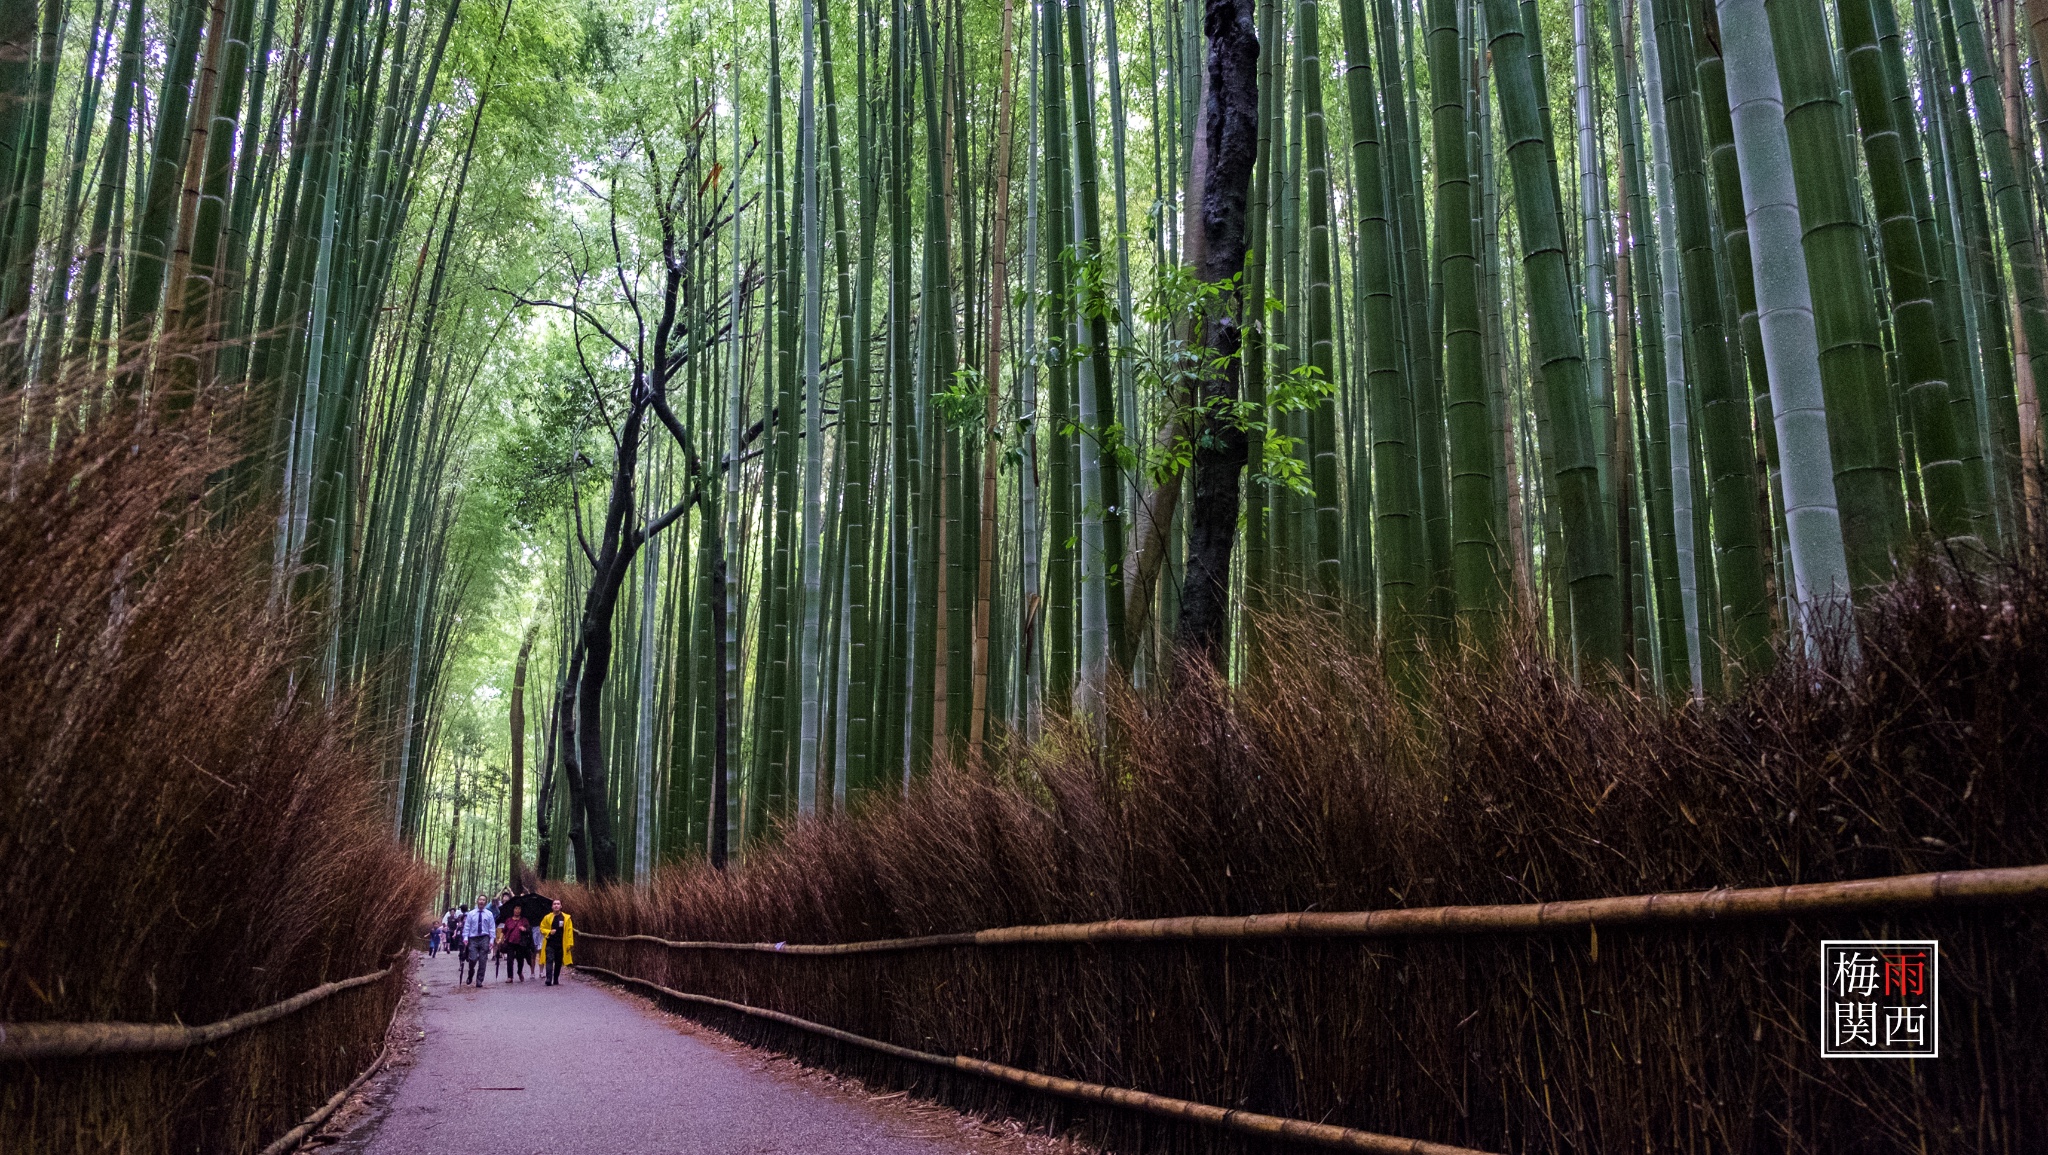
[{"x": 526, "y": 1068}]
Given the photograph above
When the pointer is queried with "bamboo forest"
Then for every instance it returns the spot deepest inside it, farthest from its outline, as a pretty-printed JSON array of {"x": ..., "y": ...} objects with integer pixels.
[{"x": 1211, "y": 557}]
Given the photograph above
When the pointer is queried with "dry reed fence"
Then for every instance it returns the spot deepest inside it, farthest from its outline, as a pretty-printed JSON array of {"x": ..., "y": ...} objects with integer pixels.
[
  {"x": 188, "y": 833},
  {"x": 1311, "y": 789}
]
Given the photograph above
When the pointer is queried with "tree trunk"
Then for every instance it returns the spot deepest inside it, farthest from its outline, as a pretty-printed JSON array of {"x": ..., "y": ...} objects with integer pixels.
[
  {"x": 1229, "y": 146},
  {"x": 517, "y": 807},
  {"x": 572, "y": 767},
  {"x": 544, "y": 802}
]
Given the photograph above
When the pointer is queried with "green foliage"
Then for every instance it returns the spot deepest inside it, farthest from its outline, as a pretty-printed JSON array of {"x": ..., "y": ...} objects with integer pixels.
[
  {"x": 544, "y": 452},
  {"x": 1174, "y": 368}
]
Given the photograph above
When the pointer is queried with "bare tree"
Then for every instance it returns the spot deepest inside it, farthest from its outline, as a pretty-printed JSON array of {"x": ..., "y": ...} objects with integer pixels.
[{"x": 685, "y": 321}]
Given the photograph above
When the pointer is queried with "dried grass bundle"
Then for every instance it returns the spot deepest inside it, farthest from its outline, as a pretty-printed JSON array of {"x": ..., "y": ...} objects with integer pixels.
[{"x": 187, "y": 832}]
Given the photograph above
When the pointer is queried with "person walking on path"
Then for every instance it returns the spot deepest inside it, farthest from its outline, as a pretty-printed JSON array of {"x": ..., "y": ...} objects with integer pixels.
[
  {"x": 518, "y": 943},
  {"x": 478, "y": 928},
  {"x": 558, "y": 943},
  {"x": 452, "y": 932},
  {"x": 434, "y": 937}
]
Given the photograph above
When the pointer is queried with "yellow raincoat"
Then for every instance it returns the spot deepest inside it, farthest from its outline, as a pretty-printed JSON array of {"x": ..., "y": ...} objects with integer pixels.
[{"x": 547, "y": 930}]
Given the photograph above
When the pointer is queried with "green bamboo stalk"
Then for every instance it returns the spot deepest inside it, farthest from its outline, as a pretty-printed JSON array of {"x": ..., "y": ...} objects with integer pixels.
[
  {"x": 1326, "y": 575},
  {"x": 25, "y": 202},
  {"x": 1101, "y": 477},
  {"x": 56, "y": 291},
  {"x": 1862, "y": 431},
  {"x": 1400, "y": 537},
  {"x": 1257, "y": 337},
  {"x": 856, "y": 441},
  {"x": 1290, "y": 543},
  {"x": 159, "y": 203},
  {"x": 1473, "y": 508},
  {"x": 2008, "y": 192},
  {"x": 1677, "y": 386},
  {"x": 1943, "y": 278},
  {"x": 931, "y": 442},
  {"x": 813, "y": 368},
  {"x": 903, "y": 668},
  {"x": 1669, "y": 636},
  {"x": 113, "y": 167},
  {"x": 1060, "y": 594},
  {"x": 1916, "y": 322},
  {"x": 1786, "y": 316},
  {"x": 1727, "y": 450},
  {"x": 1031, "y": 615},
  {"x": 1980, "y": 279},
  {"x": 1590, "y": 557},
  {"x": 999, "y": 286},
  {"x": 1424, "y": 358}
]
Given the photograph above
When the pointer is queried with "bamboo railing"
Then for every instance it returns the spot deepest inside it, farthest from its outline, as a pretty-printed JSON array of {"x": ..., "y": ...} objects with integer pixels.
[
  {"x": 78, "y": 1040},
  {"x": 2008, "y": 884},
  {"x": 2000, "y": 885}
]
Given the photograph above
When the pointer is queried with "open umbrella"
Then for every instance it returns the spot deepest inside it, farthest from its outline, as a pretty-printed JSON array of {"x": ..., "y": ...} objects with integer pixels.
[{"x": 530, "y": 906}]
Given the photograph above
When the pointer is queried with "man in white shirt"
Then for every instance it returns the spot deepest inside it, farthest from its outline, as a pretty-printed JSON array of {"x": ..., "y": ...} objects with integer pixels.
[{"x": 478, "y": 926}]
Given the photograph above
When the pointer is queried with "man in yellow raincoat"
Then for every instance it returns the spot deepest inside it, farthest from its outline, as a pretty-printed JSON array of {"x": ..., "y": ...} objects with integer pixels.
[{"x": 557, "y": 943}]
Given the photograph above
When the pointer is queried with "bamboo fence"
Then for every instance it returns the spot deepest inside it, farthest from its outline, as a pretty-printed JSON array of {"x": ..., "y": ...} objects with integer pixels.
[
  {"x": 2001, "y": 885},
  {"x": 26, "y": 1041}
]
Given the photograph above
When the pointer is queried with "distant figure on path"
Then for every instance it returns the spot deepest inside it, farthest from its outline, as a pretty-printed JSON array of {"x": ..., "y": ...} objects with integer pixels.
[
  {"x": 434, "y": 938},
  {"x": 558, "y": 943},
  {"x": 518, "y": 938},
  {"x": 478, "y": 927},
  {"x": 452, "y": 922},
  {"x": 500, "y": 910}
]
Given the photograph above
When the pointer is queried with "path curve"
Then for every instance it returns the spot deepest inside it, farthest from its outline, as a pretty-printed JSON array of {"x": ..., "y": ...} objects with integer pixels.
[{"x": 589, "y": 1069}]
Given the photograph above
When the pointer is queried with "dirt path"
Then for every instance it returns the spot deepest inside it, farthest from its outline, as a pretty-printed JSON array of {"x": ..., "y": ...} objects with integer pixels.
[{"x": 519, "y": 1068}]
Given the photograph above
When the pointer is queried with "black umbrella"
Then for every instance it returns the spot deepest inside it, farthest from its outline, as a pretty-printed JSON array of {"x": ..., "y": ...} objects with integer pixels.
[{"x": 530, "y": 906}]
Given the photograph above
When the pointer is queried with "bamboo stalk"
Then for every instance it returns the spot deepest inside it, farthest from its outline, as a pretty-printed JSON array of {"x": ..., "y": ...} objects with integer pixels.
[
  {"x": 999, "y": 277},
  {"x": 1244, "y": 1122},
  {"x": 78, "y": 1040},
  {"x": 1995, "y": 885}
]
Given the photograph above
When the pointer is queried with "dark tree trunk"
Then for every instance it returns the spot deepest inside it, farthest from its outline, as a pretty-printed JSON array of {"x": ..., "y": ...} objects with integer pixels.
[
  {"x": 572, "y": 768},
  {"x": 516, "y": 816},
  {"x": 1226, "y": 148},
  {"x": 544, "y": 804},
  {"x": 608, "y": 575}
]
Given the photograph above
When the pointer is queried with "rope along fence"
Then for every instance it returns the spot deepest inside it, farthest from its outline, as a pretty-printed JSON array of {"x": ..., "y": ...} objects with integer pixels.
[{"x": 2003, "y": 886}]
